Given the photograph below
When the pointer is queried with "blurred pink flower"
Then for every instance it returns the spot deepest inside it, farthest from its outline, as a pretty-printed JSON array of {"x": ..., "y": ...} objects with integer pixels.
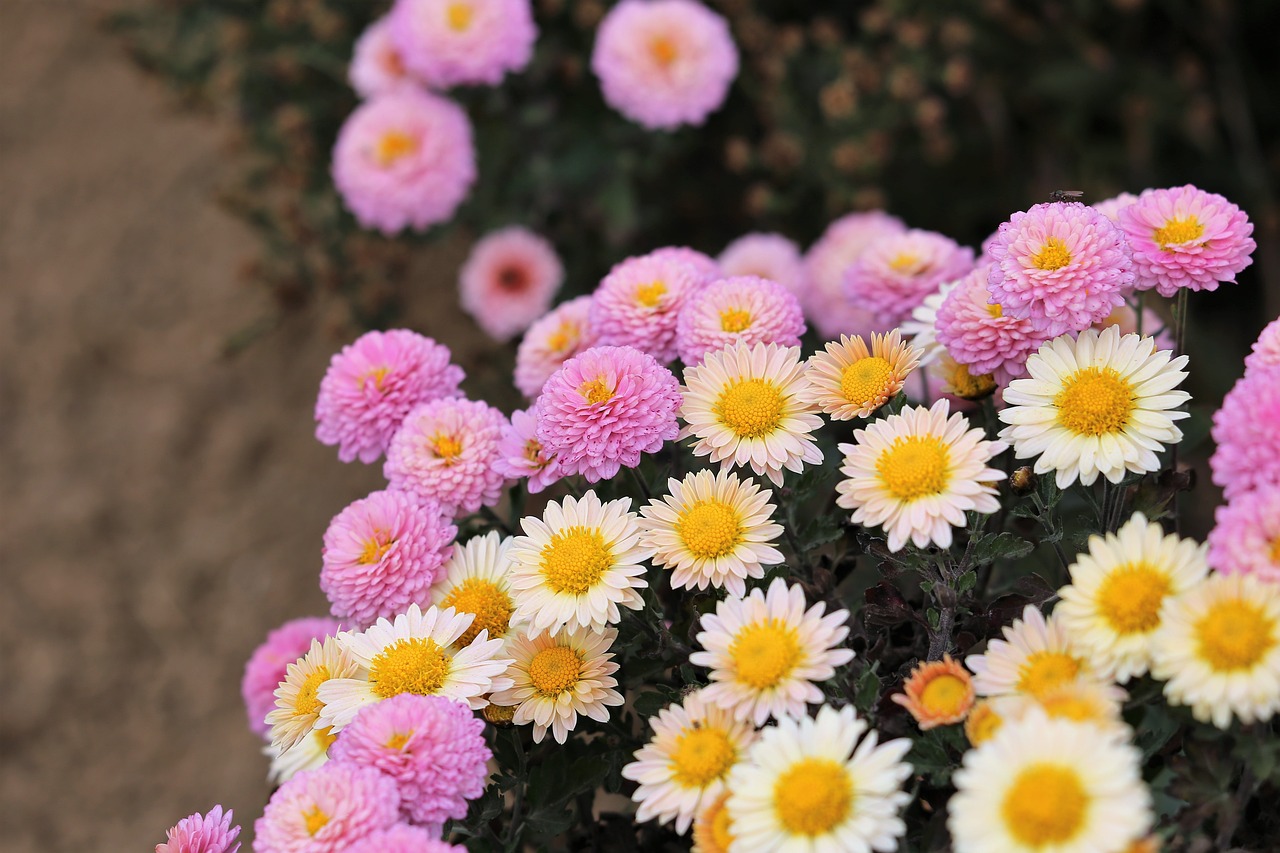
[
  {"x": 509, "y": 280},
  {"x": 1246, "y": 535},
  {"x": 639, "y": 302},
  {"x": 826, "y": 263},
  {"x": 1244, "y": 429},
  {"x": 467, "y": 42},
  {"x": 376, "y": 65},
  {"x": 766, "y": 255},
  {"x": 897, "y": 272},
  {"x": 551, "y": 341}
]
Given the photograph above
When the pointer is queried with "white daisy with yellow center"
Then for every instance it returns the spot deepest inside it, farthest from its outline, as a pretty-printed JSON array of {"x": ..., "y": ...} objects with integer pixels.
[
  {"x": 298, "y": 706},
  {"x": 557, "y": 676},
  {"x": 1099, "y": 405},
  {"x": 1111, "y": 609},
  {"x": 577, "y": 565},
  {"x": 1044, "y": 785},
  {"x": 712, "y": 529},
  {"x": 817, "y": 784},
  {"x": 1082, "y": 701},
  {"x": 307, "y": 754},
  {"x": 767, "y": 653},
  {"x": 917, "y": 473},
  {"x": 414, "y": 654},
  {"x": 850, "y": 381},
  {"x": 476, "y": 580},
  {"x": 1218, "y": 649},
  {"x": 746, "y": 405},
  {"x": 1034, "y": 657},
  {"x": 684, "y": 767}
]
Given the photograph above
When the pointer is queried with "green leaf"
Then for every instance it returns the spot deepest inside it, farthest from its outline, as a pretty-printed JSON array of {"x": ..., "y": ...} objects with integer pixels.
[{"x": 1001, "y": 546}]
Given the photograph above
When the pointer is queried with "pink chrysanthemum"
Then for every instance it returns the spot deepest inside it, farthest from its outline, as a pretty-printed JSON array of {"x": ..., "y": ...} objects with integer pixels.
[
  {"x": 896, "y": 273},
  {"x": 1266, "y": 350},
  {"x": 770, "y": 256},
  {"x": 446, "y": 451},
  {"x": 1062, "y": 266},
  {"x": 638, "y": 303},
  {"x": 604, "y": 408},
  {"x": 209, "y": 833},
  {"x": 327, "y": 809},
  {"x": 1186, "y": 237},
  {"x": 268, "y": 665},
  {"x": 509, "y": 280},
  {"x": 403, "y": 838},
  {"x": 382, "y": 553},
  {"x": 703, "y": 263},
  {"x": 463, "y": 42},
  {"x": 550, "y": 342},
  {"x": 1246, "y": 535},
  {"x": 979, "y": 335},
  {"x": 404, "y": 159},
  {"x": 742, "y": 309},
  {"x": 829, "y": 259},
  {"x": 376, "y": 64},
  {"x": 1244, "y": 429},
  {"x": 1111, "y": 207},
  {"x": 664, "y": 63},
  {"x": 432, "y": 746},
  {"x": 522, "y": 455},
  {"x": 373, "y": 383}
]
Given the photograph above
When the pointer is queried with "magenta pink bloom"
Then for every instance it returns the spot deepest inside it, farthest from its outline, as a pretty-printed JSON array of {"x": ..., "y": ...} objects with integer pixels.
[
  {"x": 638, "y": 303},
  {"x": 1186, "y": 237},
  {"x": 209, "y": 833},
  {"x": 551, "y": 341},
  {"x": 1246, "y": 536},
  {"x": 1062, "y": 266},
  {"x": 1265, "y": 353},
  {"x": 446, "y": 452},
  {"x": 744, "y": 309},
  {"x": 1248, "y": 454},
  {"x": 896, "y": 273},
  {"x": 522, "y": 455},
  {"x": 381, "y": 554},
  {"x": 327, "y": 809},
  {"x": 766, "y": 255},
  {"x": 463, "y": 42},
  {"x": 404, "y": 838},
  {"x": 1111, "y": 207},
  {"x": 433, "y": 747},
  {"x": 404, "y": 159},
  {"x": 664, "y": 63},
  {"x": 509, "y": 280},
  {"x": 826, "y": 263},
  {"x": 604, "y": 408},
  {"x": 267, "y": 667},
  {"x": 373, "y": 384},
  {"x": 376, "y": 65},
  {"x": 979, "y": 335}
]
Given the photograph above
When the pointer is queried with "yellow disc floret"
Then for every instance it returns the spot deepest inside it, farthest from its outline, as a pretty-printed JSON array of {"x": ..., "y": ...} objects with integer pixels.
[
  {"x": 751, "y": 408},
  {"x": 1129, "y": 598},
  {"x": 1177, "y": 231},
  {"x": 555, "y": 670},
  {"x": 492, "y": 607},
  {"x": 866, "y": 379},
  {"x": 575, "y": 560},
  {"x": 307, "y": 701},
  {"x": 945, "y": 695},
  {"x": 410, "y": 666},
  {"x": 701, "y": 756},
  {"x": 813, "y": 797},
  {"x": 1095, "y": 401},
  {"x": 1043, "y": 671},
  {"x": 1052, "y": 255},
  {"x": 735, "y": 320},
  {"x": 710, "y": 528},
  {"x": 1046, "y": 805},
  {"x": 764, "y": 653},
  {"x": 915, "y": 466},
  {"x": 1234, "y": 635},
  {"x": 392, "y": 147}
]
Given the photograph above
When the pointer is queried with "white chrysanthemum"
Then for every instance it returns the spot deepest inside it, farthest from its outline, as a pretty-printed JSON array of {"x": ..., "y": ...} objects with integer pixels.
[
  {"x": 712, "y": 529},
  {"x": 555, "y": 677},
  {"x": 849, "y": 380},
  {"x": 1218, "y": 649},
  {"x": 767, "y": 653},
  {"x": 577, "y": 564},
  {"x": 684, "y": 766},
  {"x": 744, "y": 406},
  {"x": 1049, "y": 785},
  {"x": 917, "y": 473},
  {"x": 811, "y": 785},
  {"x": 476, "y": 580},
  {"x": 1097, "y": 405},
  {"x": 1112, "y": 607},
  {"x": 1034, "y": 657},
  {"x": 922, "y": 328},
  {"x": 307, "y": 754},
  {"x": 297, "y": 705},
  {"x": 413, "y": 655},
  {"x": 1081, "y": 700}
]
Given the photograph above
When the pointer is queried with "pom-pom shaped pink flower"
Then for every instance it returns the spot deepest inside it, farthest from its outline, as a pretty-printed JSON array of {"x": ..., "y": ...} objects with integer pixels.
[
  {"x": 1246, "y": 535},
  {"x": 897, "y": 272},
  {"x": 269, "y": 663},
  {"x": 509, "y": 280},
  {"x": 404, "y": 159},
  {"x": 978, "y": 334},
  {"x": 766, "y": 255},
  {"x": 403, "y": 838},
  {"x": 742, "y": 309},
  {"x": 1244, "y": 429},
  {"x": 1186, "y": 237},
  {"x": 382, "y": 553},
  {"x": 522, "y": 456},
  {"x": 604, "y": 408},
  {"x": 374, "y": 383},
  {"x": 826, "y": 263},
  {"x": 1111, "y": 207},
  {"x": 376, "y": 65},
  {"x": 432, "y": 746},
  {"x": 446, "y": 451},
  {"x": 208, "y": 833},
  {"x": 638, "y": 303},
  {"x": 550, "y": 342},
  {"x": 664, "y": 63},
  {"x": 463, "y": 42},
  {"x": 1061, "y": 266},
  {"x": 327, "y": 809},
  {"x": 703, "y": 263},
  {"x": 1265, "y": 353}
]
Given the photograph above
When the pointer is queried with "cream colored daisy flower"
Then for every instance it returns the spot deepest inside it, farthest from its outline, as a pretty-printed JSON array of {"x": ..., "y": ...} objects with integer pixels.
[
  {"x": 767, "y": 653},
  {"x": 297, "y": 705},
  {"x": 1080, "y": 700},
  {"x": 577, "y": 564},
  {"x": 475, "y": 580},
  {"x": 817, "y": 784},
  {"x": 849, "y": 381},
  {"x": 557, "y": 676},
  {"x": 712, "y": 831},
  {"x": 1111, "y": 609},
  {"x": 307, "y": 754},
  {"x": 1048, "y": 785},
  {"x": 1034, "y": 657},
  {"x": 1101, "y": 404},
  {"x": 712, "y": 529},
  {"x": 916, "y": 474},
  {"x": 1218, "y": 649},
  {"x": 413, "y": 654},
  {"x": 745, "y": 406},
  {"x": 684, "y": 766}
]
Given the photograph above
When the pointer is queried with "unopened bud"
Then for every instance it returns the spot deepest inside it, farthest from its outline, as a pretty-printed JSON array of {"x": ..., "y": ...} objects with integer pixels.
[
  {"x": 499, "y": 715},
  {"x": 1023, "y": 481}
]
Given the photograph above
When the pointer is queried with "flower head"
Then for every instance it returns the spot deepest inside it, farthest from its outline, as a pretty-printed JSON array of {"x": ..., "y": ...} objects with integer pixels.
[
  {"x": 296, "y": 713},
  {"x": 712, "y": 831},
  {"x": 938, "y": 693},
  {"x": 743, "y": 309},
  {"x": 922, "y": 326},
  {"x": 898, "y": 271},
  {"x": 978, "y": 334},
  {"x": 1111, "y": 207},
  {"x": 770, "y": 256},
  {"x": 826, "y": 263},
  {"x": 404, "y": 838},
  {"x": 509, "y": 280},
  {"x": 447, "y": 451},
  {"x": 207, "y": 833},
  {"x": 1265, "y": 353},
  {"x": 1035, "y": 657},
  {"x": 376, "y": 64},
  {"x": 522, "y": 456},
  {"x": 550, "y": 342},
  {"x": 983, "y": 722},
  {"x": 1082, "y": 701},
  {"x": 1244, "y": 429},
  {"x": 476, "y": 580},
  {"x": 327, "y": 809},
  {"x": 638, "y": 303},
  {"x": 307, "y": 754},
  {"x": 463, "y": 42},
  {"x": 1246, "y": 536},
  {"x": 851, "y": 381},
  {"x": 269, "y": 663}
]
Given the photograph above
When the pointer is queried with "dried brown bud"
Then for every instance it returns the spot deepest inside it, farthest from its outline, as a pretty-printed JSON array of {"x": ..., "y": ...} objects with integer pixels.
[
  {"x": 499, "y": 715},
  {"x": 838, "y": 98},
  {"x": 737, "y": 154},
  {"x": 1023, "y": 481}
]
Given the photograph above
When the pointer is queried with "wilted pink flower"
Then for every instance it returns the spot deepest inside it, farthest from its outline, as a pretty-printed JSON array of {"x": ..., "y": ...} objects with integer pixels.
[
  {"x": 551, "y": 341},
  {"x": 1244, "y": 429},
  {"x": 373, "y": 383},
  {"x": 1246, "y": 536},
  {"x": 404, "y": 838},
  {"x": 979, "y": 335},
  {"x": 522, "y": 455},
  {"x": 1266, "y": 350},
  {"x": 664, "y": 63},
  {"x": 1111, "y": 207},
  {"x": 604, "y": 408},
  {"x": 770, "y": 256},
  {"x": 467, "y": 42},
  {"x": 209, "y": 833},
  {"x": 896, "y": 273},
  {"x": 638, "y": 303},
  {"x": 404, "y": 159},
  {"x": 509, "y": 280},
  {"x": 445, "y": 451},
  {"x": 740, "y": 309},
  {"x": 376, "y": 66},
  {"x": 826, "y": 263},
  {"x": 327, "y": 809},
  {"x": 267, "y": 666}
]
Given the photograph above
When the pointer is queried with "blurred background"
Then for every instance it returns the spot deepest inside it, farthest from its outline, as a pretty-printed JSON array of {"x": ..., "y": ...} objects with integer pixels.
[{"x": 175, "y": 271}]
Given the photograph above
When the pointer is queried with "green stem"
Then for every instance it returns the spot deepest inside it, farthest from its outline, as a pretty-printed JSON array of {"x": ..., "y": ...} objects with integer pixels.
[
  {"x": 641, "y": 484},
  {"x": 514, "y": 830},
  {"x": 1046, "y": 521}
]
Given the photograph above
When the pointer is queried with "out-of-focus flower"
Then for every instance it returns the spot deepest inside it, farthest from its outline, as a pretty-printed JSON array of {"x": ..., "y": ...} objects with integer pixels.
[
  {"x": 938, "y": 693},
  {"x": 376, "y": 64},
  {"x": 550, "y": 342},
  {"x": 898, "y": 271},
  {"x": 463, "y": 42},
  {"x": 509, "y": 280},
  {"x": 1244, "y": 429},
  {"x": 826, "y": 263},
  {"x": 1265, "y": 353},
  {"x": 638, "y": 303},
  {"x": 766, "y": 255}
]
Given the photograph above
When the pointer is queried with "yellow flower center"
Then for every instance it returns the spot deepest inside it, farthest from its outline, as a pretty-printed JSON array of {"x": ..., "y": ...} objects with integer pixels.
[
  {"x": 1130, "y": 598},
  {"x": 1067, "y": 704},
  {"x": 701, "y": 756},
  {"x": 710, "y": 528},
  {"x": 398, "y": 740},
  {"x": 392, "y": 147},
  {"x": 649, "y": 295},
  {"x": 964, "y": 384},
  {"x": 915, "y": 466},
  {"x": 410, "y": 666},
  {"x": 994, "y": 309},
  {"x": 325, "y": 738},
  {"x": 1235, "y": 635},
  {"x": 555, "y": 670},
  {"x": 813, "y": 797},
  {"x": 375, "y": 548},
  {"x": 596, "y": 391},
  {"x": 865, "y": 380},
  {"x": 764, "y": 653},
  {"x": 314, "y": 819},
  {"x": 575, "y": 560},
  {"x": 983, "y": 723},
  {"x": 1095, "y": 401},
  {"x": 1275, "y": 550},
  {"x": 904, "y": 262},
  {"x": 751, "y": 408},
  {"x": 378, "y": 374},
  {"x": 1176, "y": 231},
  {"x": 945, "y": 696},
  {"x": 533, "y": 452},
  {"x": 460, "y": 15},
  {"x": 720, "y": 832},
  {"x": 492, "y": 608},
  {"x": 1046, "y": 805},
  {"x": 564, "y": 337},
  {"x": 734, "y": 320},
  {"x": 1042, "y": 671},
  {"x": 446, "y": 447},
  {"x": 663, "y": 50},
  {"x": 307, "y": 702},
  {"x": 1052, "y": 255}
]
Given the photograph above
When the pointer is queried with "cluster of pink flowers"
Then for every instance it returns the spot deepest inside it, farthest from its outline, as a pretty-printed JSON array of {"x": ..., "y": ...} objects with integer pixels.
[
  {"x": 267, "y": 666},
  {"x": 827, "y": 262}
]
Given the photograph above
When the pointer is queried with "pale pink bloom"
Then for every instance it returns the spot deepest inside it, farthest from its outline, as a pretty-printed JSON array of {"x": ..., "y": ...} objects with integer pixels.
[
  {"x": 743, "y": 309},
  {"x": 376, "y": 65},
  {"x": 209, "y": 833},
  {"x": 404, "y": 838},
  {"x": 826, "y": 263},
  {"x": 269, "y": 664},
  {"x": 327, "y": 809},
  {"x": 1248, "y": 454},
  {"x": 978, "y": 334},
  {"x": 509, "y": 280},
  {"x": 703, "y": 263},
  {"x": 1246, "y": 536},
  {"x": 463, "y": 42},
  {"x": 1266, "y": 350},
  {"x": 551, "y": 341},
  {"x": 896, "y": 273},
  {"x": 1111, "y": 207},
  {"x": 446, "y": 452},
  {"x": 770, "y": 256},
  {"x": 521, "y": 455},
  {"x": 1153, "y": 325},
  {"x": 638, "y": 303}
]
